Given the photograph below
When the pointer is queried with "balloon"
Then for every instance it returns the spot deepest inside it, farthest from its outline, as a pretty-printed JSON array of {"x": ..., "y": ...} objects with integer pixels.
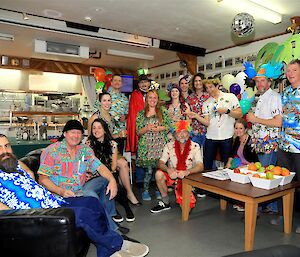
[
  {"x": 239, "y": 96},
  {"x": 107, "y": 84},
  {"x": 240, "y": 79},
  {"x": 250, "y": 92},
  {"x": 227, "y": 80},
  {"x": 246, "y": 96},
  {"x": 100, "y": 85},
  {"x": 108, "y": 77},
  {"x": 235, "y": 89},
  {"x": 107, "y": 72},
  {"x": 245, "y": 106},
  {"x": 99, "y": 74}
]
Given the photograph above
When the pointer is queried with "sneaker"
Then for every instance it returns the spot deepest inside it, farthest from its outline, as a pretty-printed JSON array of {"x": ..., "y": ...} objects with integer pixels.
[
  {"x": 235, "y": 206},
  {"x": 277, "y": 221},
  {"x": 158, "y": 195},
  {"x": 134, "y": 249},
  {"x": 161, "y": 206},
  {"x": 129, "y": 216},
  {"x": 240, "y": 208},
  {"x": 118, "y": 218},
  {"x": 146, "y": 196},
  {"x": 200, "y": 195}
]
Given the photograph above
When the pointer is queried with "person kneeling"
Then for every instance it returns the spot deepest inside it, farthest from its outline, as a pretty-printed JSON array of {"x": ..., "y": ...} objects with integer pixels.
[{"x": 183, "y": 157}]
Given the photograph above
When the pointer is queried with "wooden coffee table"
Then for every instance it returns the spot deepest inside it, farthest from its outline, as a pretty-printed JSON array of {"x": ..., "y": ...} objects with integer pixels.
[{"x": 246, "y": 193}]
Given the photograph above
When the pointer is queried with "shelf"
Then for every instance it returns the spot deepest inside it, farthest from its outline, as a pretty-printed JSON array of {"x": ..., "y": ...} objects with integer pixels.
[{"x": 17, "y": 113}]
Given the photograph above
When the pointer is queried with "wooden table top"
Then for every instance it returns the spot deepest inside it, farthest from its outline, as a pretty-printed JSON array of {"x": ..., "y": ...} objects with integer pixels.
[{"x": 242, "y": 189}]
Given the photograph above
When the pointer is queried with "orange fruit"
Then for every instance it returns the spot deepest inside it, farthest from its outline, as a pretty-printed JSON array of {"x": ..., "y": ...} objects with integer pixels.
[
  {"x": 256, "y": 175},
  {"x": 252, "y": 166},
  {"x": 277, "y": 170},
  {"x": 285, "y": 172}
]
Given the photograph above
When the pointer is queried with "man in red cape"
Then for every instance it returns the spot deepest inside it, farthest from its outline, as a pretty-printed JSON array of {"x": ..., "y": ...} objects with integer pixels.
[
  {"x": 136, "y": 104},
  {"x": 183, "y": 157}
]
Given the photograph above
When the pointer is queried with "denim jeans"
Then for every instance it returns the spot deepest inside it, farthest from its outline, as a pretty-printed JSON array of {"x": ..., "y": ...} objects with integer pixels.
[
  {"x": 267, "y": 159},
  {"x": 96, "y": 187},
  {"x": 91, "y": 217},
  {"x": 210, "y": 151}
]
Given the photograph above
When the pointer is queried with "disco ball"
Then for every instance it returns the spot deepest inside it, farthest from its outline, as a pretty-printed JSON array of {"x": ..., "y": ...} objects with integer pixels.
[{"x": 242, "y": 24}]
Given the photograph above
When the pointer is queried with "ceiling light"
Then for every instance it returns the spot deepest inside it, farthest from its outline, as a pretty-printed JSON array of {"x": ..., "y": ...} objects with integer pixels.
[
  {"x": 6, "y": 37},
  {"x": 25, "y": 17},
  {"x": 130, "y": 54},
  {"x": 255, "y": 9}
]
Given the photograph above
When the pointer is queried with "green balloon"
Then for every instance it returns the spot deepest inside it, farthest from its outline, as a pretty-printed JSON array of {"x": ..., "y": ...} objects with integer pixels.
[
  {"x": 107, "y": 72},
  {"x": 100, "y": 85},
  {"x": 245, "y": 105}
]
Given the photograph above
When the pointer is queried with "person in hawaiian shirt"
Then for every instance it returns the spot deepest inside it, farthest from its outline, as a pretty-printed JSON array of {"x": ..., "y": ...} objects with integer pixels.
[
  {"x": 289, "y": 143},
  {"x": 219, "y": 112},
  {"x": 119, "y": 110},
  {"x": 179, "y": 159},
  {"x": 64, "y": 166},
  {"x": 19, "y": 190},
  {"x": 266, "y": 120}
]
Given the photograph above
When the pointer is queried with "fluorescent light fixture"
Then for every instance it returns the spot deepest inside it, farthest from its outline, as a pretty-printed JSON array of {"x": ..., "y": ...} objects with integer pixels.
[
  {"x": 255, "y": 9},
  {"x": 25, "y": 16},
  {"x": 130, "y": 54},
  {"x": 6, "y": 36}
]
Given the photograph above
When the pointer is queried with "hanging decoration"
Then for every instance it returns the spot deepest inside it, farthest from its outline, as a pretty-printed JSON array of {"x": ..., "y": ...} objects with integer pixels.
[{"x": 243, "y": 25}]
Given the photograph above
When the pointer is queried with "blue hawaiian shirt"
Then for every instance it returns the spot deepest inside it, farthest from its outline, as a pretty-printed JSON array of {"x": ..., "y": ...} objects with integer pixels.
[
  {"x": 19, "y": 191},
  {"x": 290, "y": 135}
]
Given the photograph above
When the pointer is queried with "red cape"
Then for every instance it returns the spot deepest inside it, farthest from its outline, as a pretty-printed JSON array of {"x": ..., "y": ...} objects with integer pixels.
[{"x": 136, "y": 104}]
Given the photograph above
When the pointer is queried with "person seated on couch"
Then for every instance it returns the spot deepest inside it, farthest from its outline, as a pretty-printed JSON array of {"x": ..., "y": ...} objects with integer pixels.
[
  {"x": 64, "y": 166},
  {"x": 18, "y": 190}
]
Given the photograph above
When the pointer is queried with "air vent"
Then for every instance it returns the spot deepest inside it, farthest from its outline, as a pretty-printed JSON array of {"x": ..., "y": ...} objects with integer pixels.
[
  {"x": 57, "y": 48},
  {"x": 75, "y": 25}
]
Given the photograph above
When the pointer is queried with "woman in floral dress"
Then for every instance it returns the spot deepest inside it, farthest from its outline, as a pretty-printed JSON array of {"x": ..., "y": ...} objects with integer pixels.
[
  {"x": 196, "y": 100},
  {"x": 152, "y": 126}
]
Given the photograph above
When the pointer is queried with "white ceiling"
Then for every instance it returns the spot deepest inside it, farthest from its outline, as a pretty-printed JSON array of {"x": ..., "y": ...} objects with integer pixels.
[{"x": 201, "y": 23}]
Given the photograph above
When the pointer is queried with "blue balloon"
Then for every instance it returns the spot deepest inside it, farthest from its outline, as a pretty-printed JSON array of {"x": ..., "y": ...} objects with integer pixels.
[{"x": 249, "y": 70}]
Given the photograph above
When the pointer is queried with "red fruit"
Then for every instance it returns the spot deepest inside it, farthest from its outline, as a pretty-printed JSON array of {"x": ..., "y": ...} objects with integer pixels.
[{"x": 236, "y": 170}]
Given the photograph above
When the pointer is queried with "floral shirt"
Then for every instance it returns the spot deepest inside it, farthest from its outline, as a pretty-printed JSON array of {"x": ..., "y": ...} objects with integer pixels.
[
  {"x": 290, "y": 135},
  {"x": 196, "y": 104},
  {"x": 65, "y": 172},
  {"x": 265, "y": 138},
  {"x": 221, "y": 126},
  {"x": 194, "y": 156},
  {"x": 119, "y": 107},
  {"x": 19, "y": 191}
]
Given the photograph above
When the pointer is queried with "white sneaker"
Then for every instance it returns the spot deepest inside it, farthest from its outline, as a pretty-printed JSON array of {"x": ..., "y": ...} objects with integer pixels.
[
  {"x": 134, "y": 249},
  {"x": 121, "y": 253}
]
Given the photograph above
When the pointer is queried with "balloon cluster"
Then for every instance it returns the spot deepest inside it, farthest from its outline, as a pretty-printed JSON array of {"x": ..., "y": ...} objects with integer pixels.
[
  {"x": 236, "y": 85},
  {"x": 103, "y": 78}
]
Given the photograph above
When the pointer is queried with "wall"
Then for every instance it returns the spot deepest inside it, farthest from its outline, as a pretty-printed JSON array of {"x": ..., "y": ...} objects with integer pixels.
[{"x": 243, "y": 52}]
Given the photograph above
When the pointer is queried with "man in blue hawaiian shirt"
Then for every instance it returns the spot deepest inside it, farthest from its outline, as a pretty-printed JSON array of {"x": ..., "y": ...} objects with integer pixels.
[{"x": 18, "y": 190}]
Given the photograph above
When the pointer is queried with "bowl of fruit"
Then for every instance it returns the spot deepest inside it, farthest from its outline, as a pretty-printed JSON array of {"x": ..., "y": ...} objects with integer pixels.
[
  {"x": 238, "y": 175},
  {"x": 265, "y": 180},
  {"x": 286, "y": 175}
]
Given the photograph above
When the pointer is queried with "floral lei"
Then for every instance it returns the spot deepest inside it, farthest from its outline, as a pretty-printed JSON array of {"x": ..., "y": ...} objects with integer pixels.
[{"x": 182, "y": 156}]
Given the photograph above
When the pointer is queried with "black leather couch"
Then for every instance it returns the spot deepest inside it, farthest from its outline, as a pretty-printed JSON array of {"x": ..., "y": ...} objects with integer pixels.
[
  {"x": 40, "y": 232},
  {"x": 274, "y": 251}
]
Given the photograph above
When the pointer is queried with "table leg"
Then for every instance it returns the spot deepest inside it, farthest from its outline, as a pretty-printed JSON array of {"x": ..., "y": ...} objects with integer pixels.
[
  {"x": 223, "y": 204},
  {"x": 250, "y": 223},
  {"x": 288, "y": 202},
  {"x": 186, "y": 192}
]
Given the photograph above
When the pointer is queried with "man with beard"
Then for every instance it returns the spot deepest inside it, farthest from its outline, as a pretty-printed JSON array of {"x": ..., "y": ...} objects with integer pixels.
[
  {"x": 183, "y": 157},
  {"x": 16, "y": 183}
]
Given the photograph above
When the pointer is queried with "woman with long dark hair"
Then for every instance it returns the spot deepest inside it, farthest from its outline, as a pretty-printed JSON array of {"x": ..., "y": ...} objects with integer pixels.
[{"x": 106, "y": 150}]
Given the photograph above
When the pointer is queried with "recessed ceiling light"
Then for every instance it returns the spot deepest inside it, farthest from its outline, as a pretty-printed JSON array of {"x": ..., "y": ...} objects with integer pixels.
[
  {"x": 88, "y": 18},
  {"x": 177, "y": 28}
]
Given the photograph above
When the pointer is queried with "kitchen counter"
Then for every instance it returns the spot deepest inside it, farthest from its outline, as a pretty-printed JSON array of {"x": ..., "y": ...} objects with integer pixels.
[{"x": 21, "y": 147}]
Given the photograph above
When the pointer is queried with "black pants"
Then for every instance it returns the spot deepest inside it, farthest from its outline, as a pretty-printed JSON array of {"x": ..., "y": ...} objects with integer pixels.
[{"x": 121, "y": 196}]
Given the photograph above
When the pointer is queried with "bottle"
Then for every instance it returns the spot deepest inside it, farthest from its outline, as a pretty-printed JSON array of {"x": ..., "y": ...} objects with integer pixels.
[{"x": 25, "y": 134}]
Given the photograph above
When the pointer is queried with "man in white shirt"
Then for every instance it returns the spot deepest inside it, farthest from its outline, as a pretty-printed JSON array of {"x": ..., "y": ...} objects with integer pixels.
[
  {"x": 183, "y": 157},
  {"x": 219, "y": 113}
]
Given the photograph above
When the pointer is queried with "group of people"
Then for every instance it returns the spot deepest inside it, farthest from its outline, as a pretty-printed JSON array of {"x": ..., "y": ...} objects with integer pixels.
[{"x": 169, "y": 140}]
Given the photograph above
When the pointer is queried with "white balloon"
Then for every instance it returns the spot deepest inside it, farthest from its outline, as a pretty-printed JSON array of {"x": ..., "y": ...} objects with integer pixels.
[
  {"x": 227, "y": 81},
  {"x": 240, "y": 79}
]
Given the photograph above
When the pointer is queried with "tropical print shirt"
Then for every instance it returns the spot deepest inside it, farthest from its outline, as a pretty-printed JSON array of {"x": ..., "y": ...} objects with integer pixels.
[
  {"x": 196, "y": 104},
  {"x": 290, "y": 135},
  {"x": 265, "y": 138},
  {"x": 119, "y": 107},
  {"x": 65, "y": 172},
  {"x": 19, "y": 191}
]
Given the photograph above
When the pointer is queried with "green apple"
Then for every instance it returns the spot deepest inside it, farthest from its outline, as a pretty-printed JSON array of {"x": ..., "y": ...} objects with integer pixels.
[
  {"x": 258, "y": 165},
  {"x": 270, "y": 167},
  {"x": 261, "y": 169},
  {"x": 269, "y": 175}
]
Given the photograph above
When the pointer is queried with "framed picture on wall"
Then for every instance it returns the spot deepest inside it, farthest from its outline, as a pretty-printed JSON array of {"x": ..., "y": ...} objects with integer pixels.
[
  {"x": 251, "y": 58},
  {"x": 209, "y": 66},
  {"x": 162, "y": 76},
  {"x": 168, "y": 75},
  {"x": 238, "y": 60},
  {"x": 156, "y": 76},
  {"x": 219, "y": 64},
  {"x": 201, "y": 67},
  {"x": 174, "y": 74},
  {"x": 228, "y": 62},
  {"x": 180, "y": 72}
]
